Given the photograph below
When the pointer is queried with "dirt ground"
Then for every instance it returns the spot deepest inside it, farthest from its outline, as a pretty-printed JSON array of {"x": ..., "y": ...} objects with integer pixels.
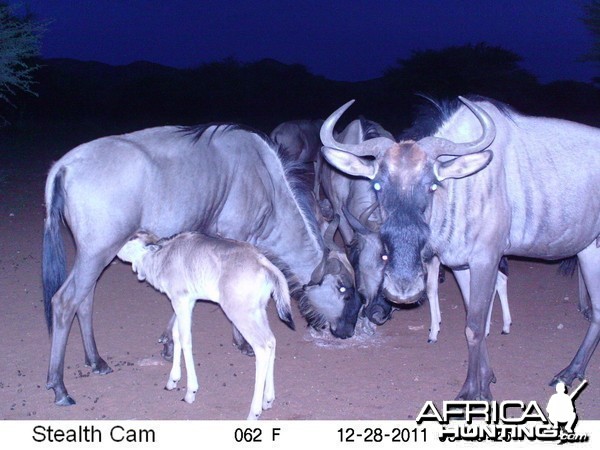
[{"x": 389, "y": 375}]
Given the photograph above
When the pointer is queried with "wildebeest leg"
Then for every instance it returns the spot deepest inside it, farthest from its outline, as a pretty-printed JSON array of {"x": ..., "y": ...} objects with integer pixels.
[
  {"x": 254, "y": 326},
  {"x": 433, "y": 270},
  {"x": 585, "y": 304},
  {"x": 65, "y": 304},
  {"x": 182, "y": 336},
  {"x": 502, "y": 290},
  {"x": 167, "y": 340},
  {"x": 240, "y": 342},
  {"x": 589, "y": 265},
  {"x": 92, "y": 356},
  {"x": 463, "y": 280},
  {"x": 481, "y": 289},
  {"x": 175, "y": 373}
]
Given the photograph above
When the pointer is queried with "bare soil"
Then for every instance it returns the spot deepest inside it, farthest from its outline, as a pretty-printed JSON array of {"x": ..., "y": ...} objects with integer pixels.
[{"x": 389, "y": 375}]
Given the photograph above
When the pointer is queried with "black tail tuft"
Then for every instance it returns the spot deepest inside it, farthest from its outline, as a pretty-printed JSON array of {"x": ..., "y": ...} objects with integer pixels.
[
  {"x": 287, "y": 319},
  {"x": 567, "y": 267},
  {"x": 503, "y": 266},
  {"x": 53, "y": 254}
]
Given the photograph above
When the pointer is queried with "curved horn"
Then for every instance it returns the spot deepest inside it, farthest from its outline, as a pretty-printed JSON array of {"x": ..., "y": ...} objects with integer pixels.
[
  {"x": 354, "y": 222},
  {"x": 330, "y": 233},
  {"x": 439, "y": 146},
  {"x": 362, "y": 225},
  {"x": 371, "y": 147},
  {"x": 364, "y": 217},
  {"x": 317, "y": 276}
]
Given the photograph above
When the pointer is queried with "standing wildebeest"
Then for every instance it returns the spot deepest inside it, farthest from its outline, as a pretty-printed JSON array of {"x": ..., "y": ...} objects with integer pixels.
[
  {"x": 219, "y": 179},
  {"x": 356, "y": 196},
  {"x": 192, "y": 266},
  {"x": 451, "y": 195}
]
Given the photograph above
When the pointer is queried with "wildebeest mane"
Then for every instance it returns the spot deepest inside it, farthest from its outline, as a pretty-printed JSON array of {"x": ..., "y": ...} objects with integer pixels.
[
  {"x": 431, "y": 114},
  {"x": 197, "y": 131}
]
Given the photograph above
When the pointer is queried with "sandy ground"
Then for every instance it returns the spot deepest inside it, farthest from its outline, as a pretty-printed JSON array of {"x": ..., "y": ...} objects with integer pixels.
[{"x": 389, "y": 375}]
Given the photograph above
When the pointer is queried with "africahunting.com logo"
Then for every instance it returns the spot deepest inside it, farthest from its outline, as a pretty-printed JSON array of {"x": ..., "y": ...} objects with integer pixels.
[{"x": 511, "y": 420}]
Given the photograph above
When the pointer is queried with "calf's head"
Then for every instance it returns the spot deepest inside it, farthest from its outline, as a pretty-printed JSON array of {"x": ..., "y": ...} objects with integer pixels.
[{"x": 136, "y": 248}]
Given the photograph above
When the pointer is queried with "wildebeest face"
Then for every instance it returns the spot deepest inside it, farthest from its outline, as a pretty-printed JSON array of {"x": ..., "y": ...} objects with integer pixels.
[
  {"x": 332, "y": 299},
  {"x": 404, "y": 185},
  {"x": 405, "y": 177}
]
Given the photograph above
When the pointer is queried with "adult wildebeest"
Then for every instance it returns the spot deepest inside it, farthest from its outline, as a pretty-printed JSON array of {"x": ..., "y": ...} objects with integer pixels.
[
  {"x": 354, "y": 200},
  {"x": 193, "y": 266},
  {"x": 349, "y": 197},
  {"x": 220, "y": 179},
  {"x": 488, "y": 182},
  {"x": 356, "y": 196}
]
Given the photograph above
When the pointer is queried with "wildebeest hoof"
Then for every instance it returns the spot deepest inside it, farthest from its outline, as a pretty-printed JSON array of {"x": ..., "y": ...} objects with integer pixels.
[
  {"x": 245, "y": 348},
  {"x": 101, "y": 367},
  {"x": 587, "y": 313},
  {"x": 168, "y": 350},
  {"x": 65, "y": 401},
  {"x": 567, "y": 377}
]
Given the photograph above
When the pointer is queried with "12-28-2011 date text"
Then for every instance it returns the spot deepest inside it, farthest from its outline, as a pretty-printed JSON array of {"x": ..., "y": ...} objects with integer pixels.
[{"x": 376, "y": 434}]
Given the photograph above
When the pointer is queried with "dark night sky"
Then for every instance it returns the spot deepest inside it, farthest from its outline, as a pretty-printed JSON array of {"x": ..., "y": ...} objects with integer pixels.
[{"x": 342, "y": 40}]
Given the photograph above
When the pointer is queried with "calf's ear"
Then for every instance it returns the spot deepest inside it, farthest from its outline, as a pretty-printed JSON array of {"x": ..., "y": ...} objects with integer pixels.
[
  {"x": 463, "y": 166},
  {"x": 351, "y": 164}
]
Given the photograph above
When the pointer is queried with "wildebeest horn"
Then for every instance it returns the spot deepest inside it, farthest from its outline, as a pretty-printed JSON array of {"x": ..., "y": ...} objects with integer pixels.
[
  {"x": 328, "y": 237},
  {"x": 319, "y": 271},
  {"x": 364, "y": 217},
  {"x": 362, "y": 225},
  {"x": 372, "y": 147},
  {"x": 438, "y": 146}
]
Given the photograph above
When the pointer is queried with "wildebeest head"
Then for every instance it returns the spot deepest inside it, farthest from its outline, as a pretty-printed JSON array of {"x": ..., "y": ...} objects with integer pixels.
[
  {"x": 365, "y": 251},
  {"x": 331, "y": 280},
  {"x": 405, "y": 176}
]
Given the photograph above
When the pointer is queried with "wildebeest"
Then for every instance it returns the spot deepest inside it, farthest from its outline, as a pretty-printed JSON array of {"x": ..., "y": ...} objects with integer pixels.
[
  {"x": 354, "y": 196},
  {"x": 354, "y": 200},
  {"x": 487, "y": 182},
  {"x": 351, "y": 199},
  {"x": 220, "y": 179},
  {"x": 193, "y": 266}
]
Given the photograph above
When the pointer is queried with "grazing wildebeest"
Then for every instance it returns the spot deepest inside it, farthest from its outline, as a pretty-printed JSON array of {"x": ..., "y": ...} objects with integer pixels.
[
  {"x": 488, "y": 182},
  {"x": 193, "y": 266},
  {"x": 219, "y": 179},
  {"x": 299, "y": 143},
  {"x": 354, "y": 201}
]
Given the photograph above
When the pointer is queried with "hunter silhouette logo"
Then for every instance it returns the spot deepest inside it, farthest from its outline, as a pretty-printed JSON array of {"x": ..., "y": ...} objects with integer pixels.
[{"x": 561, "y": 406}]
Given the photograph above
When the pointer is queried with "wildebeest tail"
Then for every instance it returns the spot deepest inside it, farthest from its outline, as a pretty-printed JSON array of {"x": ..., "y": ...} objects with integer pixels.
[
  {"x": 281, "y": 293},
  {"x": 54, "y": 262},
  {"x": 568, "y": 266}
]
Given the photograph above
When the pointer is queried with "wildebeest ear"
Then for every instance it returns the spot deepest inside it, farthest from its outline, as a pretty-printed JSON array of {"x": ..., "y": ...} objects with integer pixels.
[
  {"x": 463, "y": 166},
  {"x": 153, "y": 247},
  {"x": 351, "y": 164}
]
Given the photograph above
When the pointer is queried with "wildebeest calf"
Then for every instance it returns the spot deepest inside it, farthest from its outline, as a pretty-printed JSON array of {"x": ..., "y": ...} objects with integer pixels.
[{"x": 192, "y": 266}]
